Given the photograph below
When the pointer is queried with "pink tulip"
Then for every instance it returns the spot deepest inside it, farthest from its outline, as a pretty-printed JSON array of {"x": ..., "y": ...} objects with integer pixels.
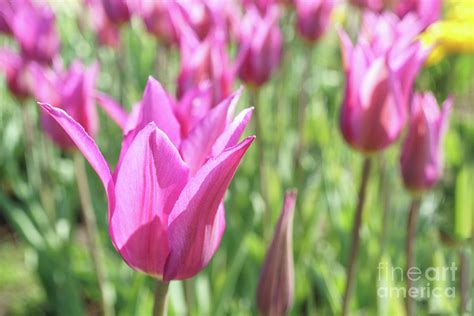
[
  {"x": 73, "y": 92},
  {"x": 8, "y": 8},
  {"x": 276, "y": 284},
  {"x": 166, "y": 216},
  {"x": 261, "y": 5},
  {"x": 16, "y": 73},
  {"x": 372, "y": 5},
  {"x": 117, "y": 11},
  {"x": 421, "y": 159},
  {"x": 34, "y": 29},
  {"x": 107, "y": 33},
  {"x": 199, "y": 15},
  {"x": 312, "y": 17},
  {"x": 158, "y": 17},
  {"x": 260, "y": 46},
  {"x": 372, "y": 113},
  {"x": 202, "y": 63},
  {"x": 427, "y": 11}
]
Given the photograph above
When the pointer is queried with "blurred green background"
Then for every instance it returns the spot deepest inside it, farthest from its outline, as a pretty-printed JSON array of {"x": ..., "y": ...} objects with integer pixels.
[{"x": 45, "y": 268}]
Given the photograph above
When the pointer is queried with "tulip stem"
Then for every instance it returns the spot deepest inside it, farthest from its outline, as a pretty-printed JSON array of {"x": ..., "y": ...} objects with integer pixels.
[
  {"x": 161, "y": 294},
  {"x": 410, "y": 246},
  {"x": 92, "y": 232},
  {"x": 259, "y": 140},
  {"x": 464, "y": 279},
  {"x": 355, "y": 239}
]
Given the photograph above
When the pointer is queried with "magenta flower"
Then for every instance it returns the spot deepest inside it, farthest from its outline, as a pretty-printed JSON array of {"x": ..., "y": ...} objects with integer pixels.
[
  {"x": 276, "y": 284},
  {"x": 260, "y": 46},
  {"x": 427, "y": 11},
  {"x": 372, "y": 113},
  {"x": 16, "y": 72},
  {"x": 34, "y": 29},
  {"x": 107, "y": 32},
  {"x": 421, "y": 159},
  {"x": 117, "y": 11},
  {"x": 73, "y": 92},
  {"x": 158, "y": 17},
  {"x": 166, "y": 216},
  {"x": 202, "y": 63},
  {"x": 199, "y": 16},
  {"x": 312, "y": 17}
]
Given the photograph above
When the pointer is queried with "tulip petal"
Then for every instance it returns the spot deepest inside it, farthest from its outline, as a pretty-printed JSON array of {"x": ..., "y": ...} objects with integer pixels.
[
  {"x": 83, "y": 141},
  {"x": 192, "y": 237},
  {"x": 148, "y": 183},
  {"x": 156, "y": 106},
  {"x": 113, "y": 109},
  {"x": 196, "y": 148}
]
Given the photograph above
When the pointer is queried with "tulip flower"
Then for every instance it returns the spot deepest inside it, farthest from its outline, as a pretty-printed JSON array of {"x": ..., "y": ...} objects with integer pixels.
[
  {"x": 260, "y": 46},
  {"x": 203, "y": 62},
  {"x": 199, "y": 15},
  {"x": 158, "y": 19},
  {"x": 34, "y": 29},
  {"x": 166, "y": 216},
  {"x": 276, "y": 284},
  {"x": 73, "y": 92},
  {"x": 117, "y": 11},
  {"x": 107, "y": 33},
  {"x": 312, "y": 17},
  {"x": 427, "y": 11},
  {"x": 421, "y": 159},
  {"x": 372, "y": 113},
  {"x": 16, "y": 73}
]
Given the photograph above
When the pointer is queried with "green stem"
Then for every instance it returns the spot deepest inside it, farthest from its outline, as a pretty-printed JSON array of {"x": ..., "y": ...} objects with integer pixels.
[
  {"x": 161, "y": 294},
  {"x": 355, "y": 237},
  {"x": 92, "y": 233},
  {"x": 260, "y": 142},
  {"x": 464, "y": 279},
  {"x": 410, "y": 247}
]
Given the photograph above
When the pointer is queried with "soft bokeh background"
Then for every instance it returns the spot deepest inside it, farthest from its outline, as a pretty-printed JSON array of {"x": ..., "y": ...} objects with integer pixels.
[{"x": 45, "y": 268}]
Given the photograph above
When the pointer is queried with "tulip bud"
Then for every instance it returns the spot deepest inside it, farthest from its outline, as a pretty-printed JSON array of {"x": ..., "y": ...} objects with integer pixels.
[
  {"x": 34, "y": 29},
  {"x": 277, "y": 278},
  {"x": 313, "y": 17},
  {"x": 260, "y": 46},
  {"x": 372, "y": 5},
  {"x": 421, "y": 159},
  {"x": 16, "y": 72},
  {"x": 73, "y": 92},
  {"x": 107, "y": 33},
  {"x": 117, "y": 11},
  {"x": 372, "y": 113}
]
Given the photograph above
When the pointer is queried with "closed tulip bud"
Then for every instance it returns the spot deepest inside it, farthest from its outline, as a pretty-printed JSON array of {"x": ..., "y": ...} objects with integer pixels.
[
  {"x": 15, "y": 69},
  {"x": 421, "y": 158},
  {"x": 260, "y": 46},
  {"x": 312, "y": 17},
  {"x": 276, "y": 284},
  {"x": 158, "y": 19},
  {"x": 107, "y": 33},
  {"x": 117, "y": 11},
  {"x": 34, "y": 29},
  {"x": 372, "y": 112},
  {"x": 166, "y": 215},
  {"x": 73, "y": 92}
]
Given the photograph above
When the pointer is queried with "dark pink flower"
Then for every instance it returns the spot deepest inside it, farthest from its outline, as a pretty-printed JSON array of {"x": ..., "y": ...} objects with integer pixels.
[
  {"x": 16, "y": 72},
  {"x": 312, "y": 17}
]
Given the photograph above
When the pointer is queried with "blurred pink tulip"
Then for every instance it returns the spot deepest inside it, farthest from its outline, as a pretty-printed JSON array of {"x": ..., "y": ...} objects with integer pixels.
[
  {"x": 312, "y": 17},
  {"x": 15, "y": 69},
  {"x": 421, "y": 158},
  {"x": 8, "y": 8},
  {"x": 158, "y": 18},
  {"x": 427, "y": 11},
  {"x": 166, "y": 216},
  {"x": 260, "y": 46},
  {"x": 107, "y": 33},
  {"x": 373, "y": 113},
  {"x": 117, "y": 11},
  {"x": 71, "y": 91},
  {"x": 276, "y": 284},
  {"x": 34, "y": 29},
  {"x": 199, "y": 16},
  {"x": 372, "y": 5},
  {"x": 202, "y": 63}
]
